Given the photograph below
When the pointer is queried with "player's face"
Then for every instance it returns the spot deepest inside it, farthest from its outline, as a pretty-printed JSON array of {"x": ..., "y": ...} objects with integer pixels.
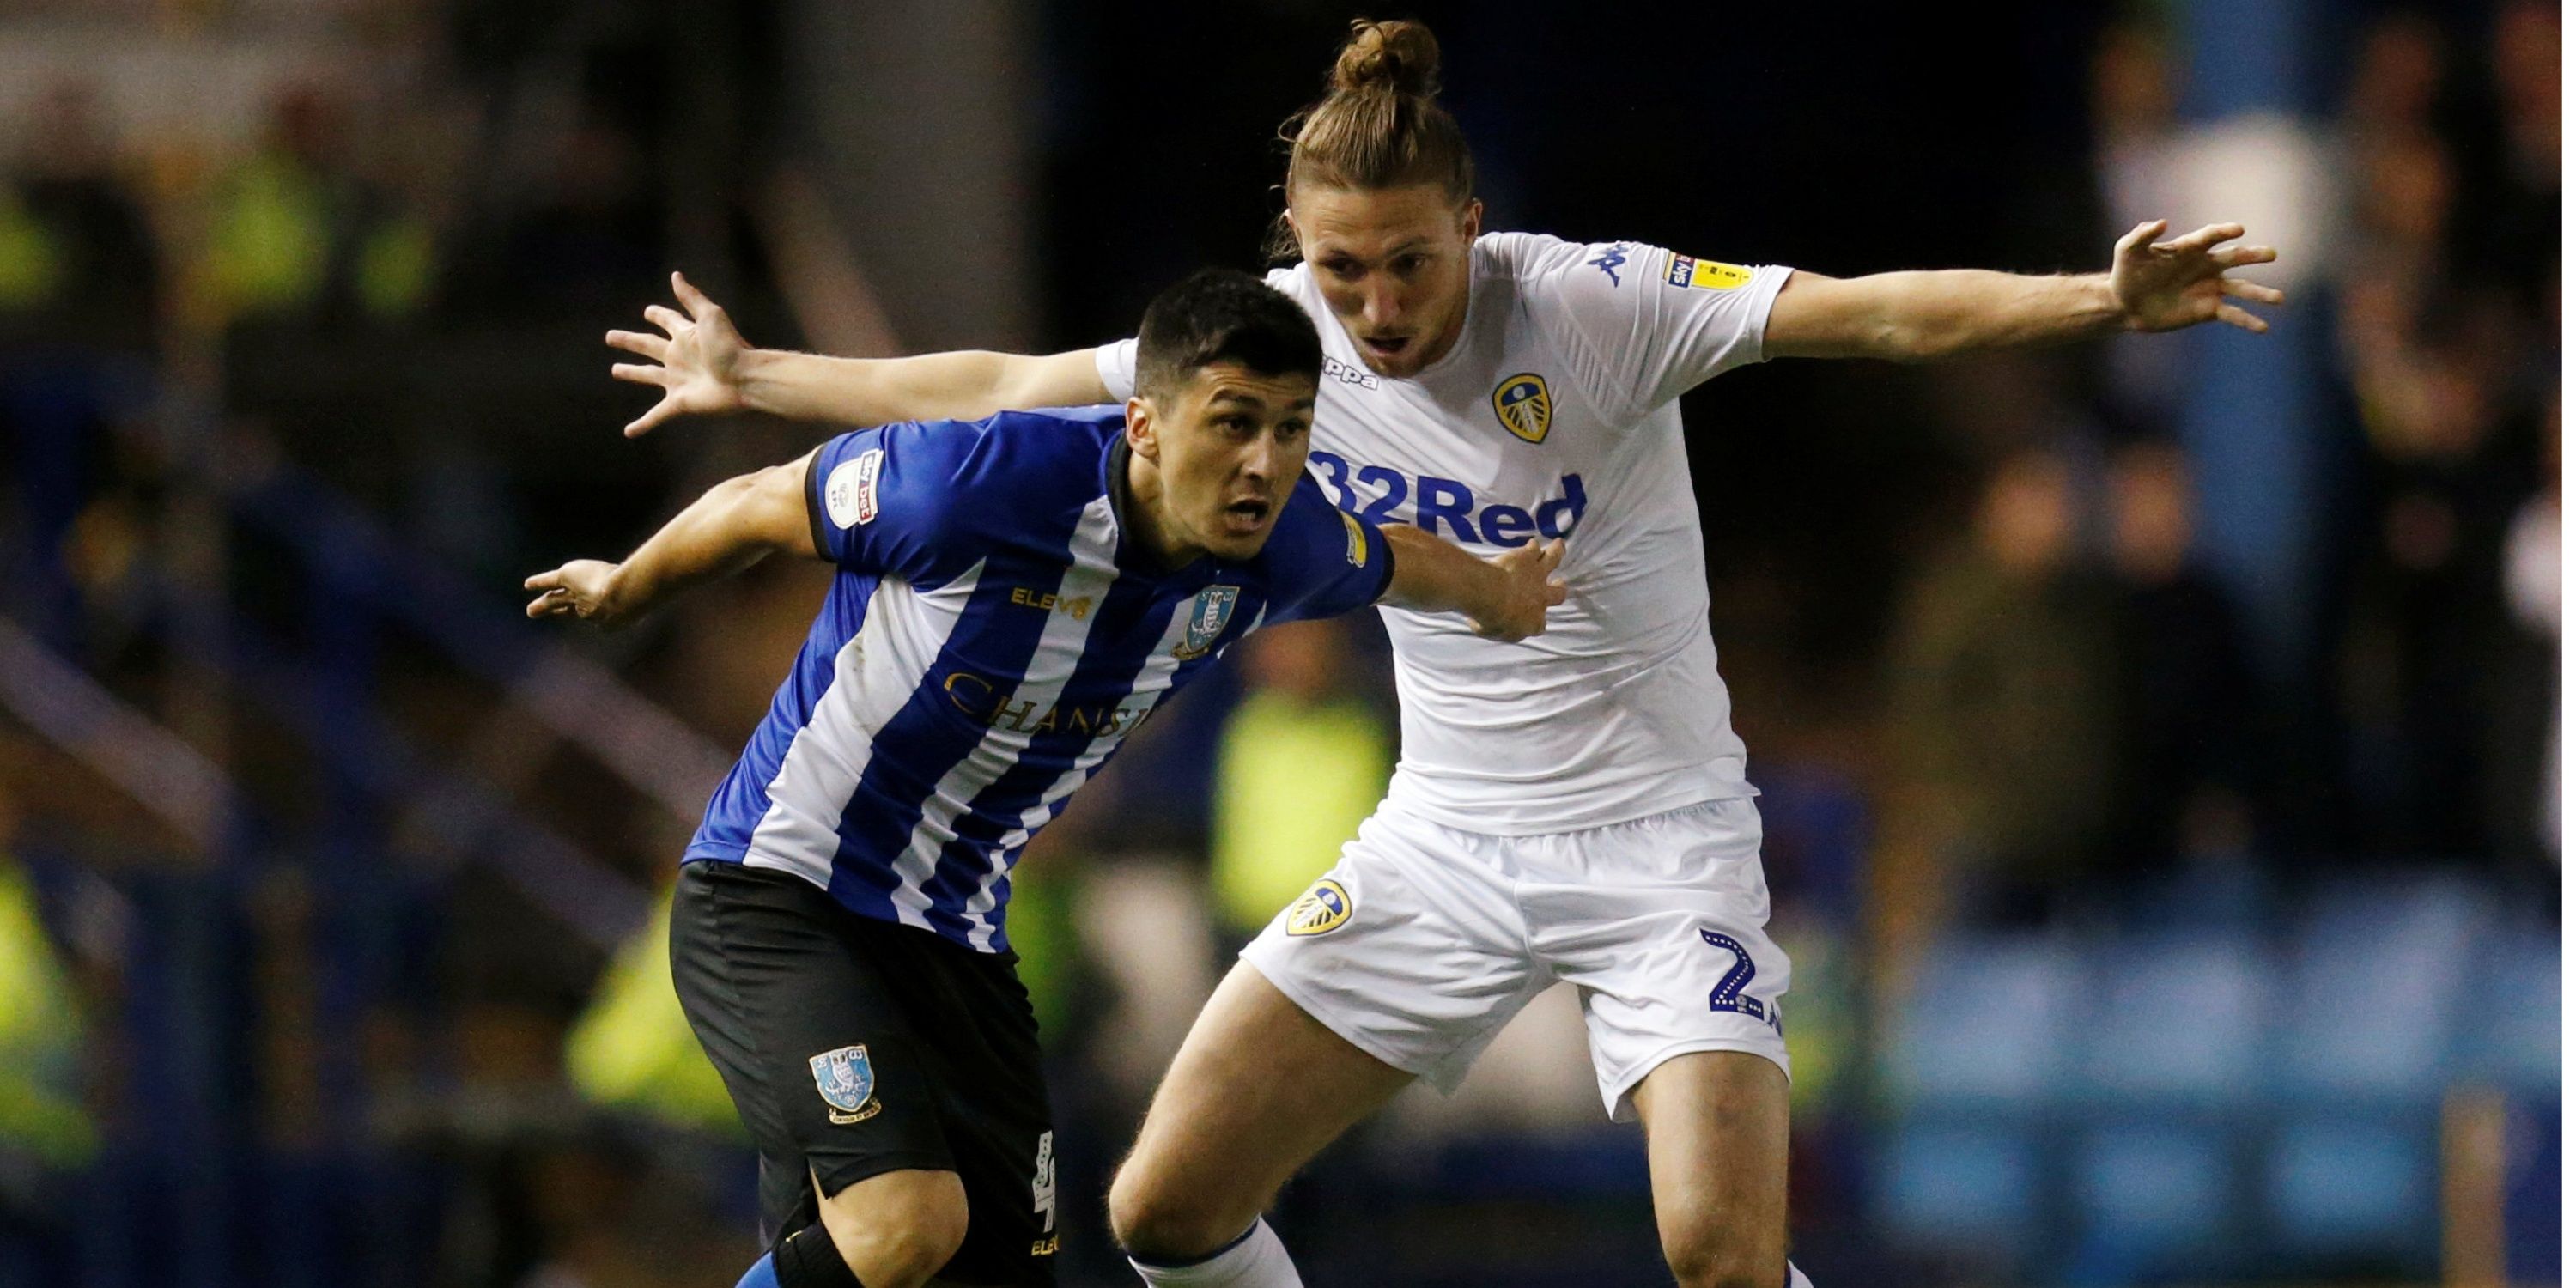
[
  {"x": 1227, "y": 449},
  {"x": 1392, "y": 263}
]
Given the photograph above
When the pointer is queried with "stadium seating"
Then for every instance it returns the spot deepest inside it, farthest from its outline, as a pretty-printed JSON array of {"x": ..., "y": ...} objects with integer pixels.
[
  {"x": 1988, "y": 1024},
  {"x": 2514, "y": 1041},
  {"x": 2376, "y": 974},
  {"x": 1961, "y": 1188},
  {"x": 2151, "y": 1199},
  {"x": 2181, "y": 1021},
  {"x": 2259, "y": 1095},
  {"x": 2348, "y": 1186}
]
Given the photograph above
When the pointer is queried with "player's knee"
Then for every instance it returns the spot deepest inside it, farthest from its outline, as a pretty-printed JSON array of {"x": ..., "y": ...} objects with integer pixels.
[
  {"x": 899, "y": 1237},
  {"x": 1707, "y": 1254},
  {"x": 1165, "y": 1223}
]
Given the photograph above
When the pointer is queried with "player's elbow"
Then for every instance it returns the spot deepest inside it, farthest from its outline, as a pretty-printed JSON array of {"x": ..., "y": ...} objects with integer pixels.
[
  {"x": 767, "y": 506},
  {"x": 1900, "y": 339},
  {"x": 1017, "y": 385},
  {"x": 1862, "y": 332}
]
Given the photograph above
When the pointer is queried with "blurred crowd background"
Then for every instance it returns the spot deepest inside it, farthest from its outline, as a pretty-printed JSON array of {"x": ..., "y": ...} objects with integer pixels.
[{"x": 2159, "y": 738}]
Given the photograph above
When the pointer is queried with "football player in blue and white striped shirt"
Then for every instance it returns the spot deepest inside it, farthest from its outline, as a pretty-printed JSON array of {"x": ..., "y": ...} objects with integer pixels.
[
  {"x": 1015, "y": 597},
  {"x": 1571, "y": 810}
]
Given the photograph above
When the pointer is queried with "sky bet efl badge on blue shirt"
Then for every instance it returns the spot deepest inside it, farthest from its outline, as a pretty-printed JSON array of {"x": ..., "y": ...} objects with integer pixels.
[
  {"x": 847, "y": 1083},
  {"x": 1521, "y": 403},
  {"x": 850, "y": 494},
  {"x": 1706, "y": 274},
  {"x": 1208, "y": 615}
]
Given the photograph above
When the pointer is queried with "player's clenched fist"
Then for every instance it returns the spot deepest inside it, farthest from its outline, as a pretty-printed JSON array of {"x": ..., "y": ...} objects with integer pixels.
[
  {"x": 583, "y": 588},
  {"x": 1528, "y": 588}
]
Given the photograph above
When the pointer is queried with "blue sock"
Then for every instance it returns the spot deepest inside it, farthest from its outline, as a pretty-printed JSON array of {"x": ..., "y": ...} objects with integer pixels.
[
  {"x": 763, "y": 1273},
  {"x": 805, "y": 1259}
]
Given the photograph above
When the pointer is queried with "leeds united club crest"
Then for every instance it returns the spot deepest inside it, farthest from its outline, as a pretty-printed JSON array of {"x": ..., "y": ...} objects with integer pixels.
[
  {"x": 847, "y": 1084},
  {"x": 1521, "y": 403},
  {"x": 1208, "y": 615},
  {"x": 1323, "y": 909}
]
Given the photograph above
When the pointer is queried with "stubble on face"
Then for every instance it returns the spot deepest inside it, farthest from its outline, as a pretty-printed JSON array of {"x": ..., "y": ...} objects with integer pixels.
[
  {"x": 1227, "y": 451},
  {"x": 1392, "y": 265}
]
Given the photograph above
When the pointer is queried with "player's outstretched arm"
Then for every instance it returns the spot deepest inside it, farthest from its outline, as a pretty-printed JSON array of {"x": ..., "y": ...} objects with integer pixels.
[
  {"x": 1917, "y": 316},
  {"x": 735, "y": 525},
  {"x": 1507, "y": 596},
  {"x": 702, "y": 366}
]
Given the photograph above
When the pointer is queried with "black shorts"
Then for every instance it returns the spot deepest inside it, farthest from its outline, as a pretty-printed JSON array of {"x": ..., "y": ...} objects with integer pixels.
[{"x": 858, "y": 1047}]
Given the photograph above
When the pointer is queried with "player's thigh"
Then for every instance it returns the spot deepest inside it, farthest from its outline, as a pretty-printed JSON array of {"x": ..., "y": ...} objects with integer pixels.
[
  {"x": 1400, "y": 963},
  {"x": 1259, "y": 1087},
  {"x": 898, "y": 1226},
  {"x": 820, "y": 1060},
  {"x": 1661, "y": 924},
  {"x": 1717, "y": 1146},
  {"x": 1413, "y": 948},
  {"x": 979, "y": 1045}
]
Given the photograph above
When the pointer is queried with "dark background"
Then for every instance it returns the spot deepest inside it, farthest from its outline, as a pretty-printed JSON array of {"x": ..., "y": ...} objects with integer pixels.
[{"x": 2169, "y": 905}]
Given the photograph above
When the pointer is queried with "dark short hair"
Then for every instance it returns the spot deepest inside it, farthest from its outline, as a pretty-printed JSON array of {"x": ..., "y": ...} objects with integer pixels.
[{"x": 1219, "y": 315}]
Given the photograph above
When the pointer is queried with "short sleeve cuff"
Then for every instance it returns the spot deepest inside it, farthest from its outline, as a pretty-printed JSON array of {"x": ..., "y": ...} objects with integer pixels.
[
  {"x": 1767, "y": 281},
  {"x": 1116, "y": 363},
  {"x": 814, "y": 501}
]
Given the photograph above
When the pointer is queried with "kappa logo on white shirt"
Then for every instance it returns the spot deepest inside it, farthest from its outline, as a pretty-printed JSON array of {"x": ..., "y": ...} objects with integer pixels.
[
  {"x": 1609, "y": 261},
  {"x": 1336, "y": 369}
]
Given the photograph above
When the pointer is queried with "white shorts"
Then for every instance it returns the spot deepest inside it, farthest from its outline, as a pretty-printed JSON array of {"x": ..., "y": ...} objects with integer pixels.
[{"x": 1424, "y": 940}]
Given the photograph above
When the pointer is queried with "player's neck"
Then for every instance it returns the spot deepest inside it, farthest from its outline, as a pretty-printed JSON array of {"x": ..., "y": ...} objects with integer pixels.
[
  {"x": 1448, "y": 339},
  {"x": 1141, "y": 514}
]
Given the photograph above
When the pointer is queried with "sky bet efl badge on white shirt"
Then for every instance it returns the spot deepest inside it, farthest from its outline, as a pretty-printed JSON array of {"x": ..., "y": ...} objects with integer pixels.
[{"x": 1706, "y": 274}]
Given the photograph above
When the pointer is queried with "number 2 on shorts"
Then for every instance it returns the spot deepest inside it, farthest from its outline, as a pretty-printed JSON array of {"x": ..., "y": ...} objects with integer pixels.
[{"x": 1729, "y": 993}]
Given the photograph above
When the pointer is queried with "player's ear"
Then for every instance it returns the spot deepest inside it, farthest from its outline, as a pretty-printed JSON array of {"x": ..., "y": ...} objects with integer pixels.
[
  {"x": 1472, "y": 222},
  {"x": 1141, "y": 437}
]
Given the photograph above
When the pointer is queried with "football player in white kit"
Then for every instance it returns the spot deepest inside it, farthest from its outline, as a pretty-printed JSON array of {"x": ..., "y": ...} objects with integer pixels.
[{"x": 1569, "y": 807}]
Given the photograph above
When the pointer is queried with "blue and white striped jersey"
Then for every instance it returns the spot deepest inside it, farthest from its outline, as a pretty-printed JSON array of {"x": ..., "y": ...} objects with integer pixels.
[{"x": 988, "y": 642}]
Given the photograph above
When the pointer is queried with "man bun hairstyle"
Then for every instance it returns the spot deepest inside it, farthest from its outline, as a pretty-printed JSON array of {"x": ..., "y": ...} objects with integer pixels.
[
  {"x": 1219, "y": 315},
  {"x": 1379, "y": 125},
  {"x": 1398, "y": 56}
]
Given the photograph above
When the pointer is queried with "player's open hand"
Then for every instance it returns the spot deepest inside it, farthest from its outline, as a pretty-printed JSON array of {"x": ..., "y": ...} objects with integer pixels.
[
  {"x": 2168, "y": 285},
  {"x": 695, "y": 359},
  {"x": 1530, "y": 587},
  {"x": 584, "y": 588}
]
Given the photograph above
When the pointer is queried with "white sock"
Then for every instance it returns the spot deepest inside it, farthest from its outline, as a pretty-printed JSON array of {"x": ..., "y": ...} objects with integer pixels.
[
  {"x": 1797, "y": 1277},
  {"x": 1256, "y": 1260}
]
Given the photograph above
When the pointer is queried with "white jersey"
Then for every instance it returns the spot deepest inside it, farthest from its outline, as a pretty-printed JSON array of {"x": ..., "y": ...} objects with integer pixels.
[{"x": 1553, "y": 415}]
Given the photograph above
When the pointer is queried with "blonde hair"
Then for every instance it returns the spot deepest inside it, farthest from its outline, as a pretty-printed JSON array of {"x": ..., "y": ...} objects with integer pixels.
[{"x": 1379, "y": 125}]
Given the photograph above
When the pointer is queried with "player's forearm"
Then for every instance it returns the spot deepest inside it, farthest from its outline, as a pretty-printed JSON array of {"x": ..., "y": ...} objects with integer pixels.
[
  {"x": 966, "y": 385},
  {"x": 1436, "y": 577},
  {"x": 860, "y": 391},
  {"x": 1934, "y": 314},
  {"x": 736, "y": 524}
]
